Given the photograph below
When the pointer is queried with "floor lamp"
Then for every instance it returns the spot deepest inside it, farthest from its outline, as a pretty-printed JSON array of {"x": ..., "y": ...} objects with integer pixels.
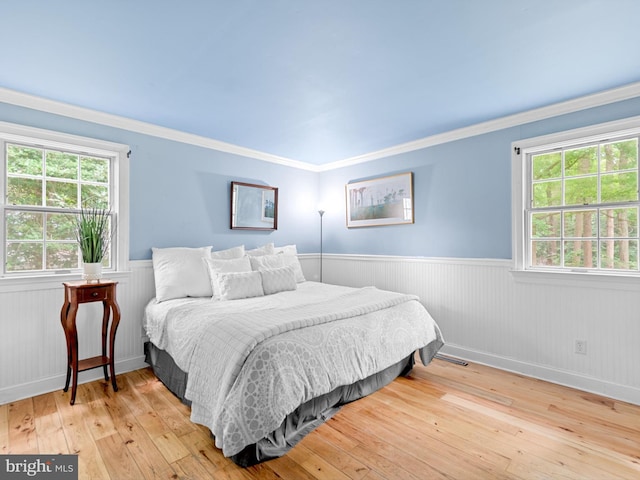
[{"x": 321, "y": 212}]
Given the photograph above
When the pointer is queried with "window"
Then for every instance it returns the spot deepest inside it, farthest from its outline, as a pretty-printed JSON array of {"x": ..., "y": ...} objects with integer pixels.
[
  {"x": 47, "y": 178},
  {"x": 577, "y": 204}
]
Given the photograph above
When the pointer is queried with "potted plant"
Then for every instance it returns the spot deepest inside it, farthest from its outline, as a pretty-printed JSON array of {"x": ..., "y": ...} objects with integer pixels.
[{"x": 94, "y": 234}]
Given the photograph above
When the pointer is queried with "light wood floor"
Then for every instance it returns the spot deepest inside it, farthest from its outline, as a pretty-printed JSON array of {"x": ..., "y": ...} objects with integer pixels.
[{"x": 444, "y": 421}]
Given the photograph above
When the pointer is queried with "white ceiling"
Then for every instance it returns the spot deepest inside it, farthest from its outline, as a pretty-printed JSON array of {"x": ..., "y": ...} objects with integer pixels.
[{"x": 317, "y": 81}]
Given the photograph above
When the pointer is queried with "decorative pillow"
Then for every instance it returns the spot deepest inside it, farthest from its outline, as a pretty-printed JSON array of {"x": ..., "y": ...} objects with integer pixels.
[
  {"x": 235, "y": 252},
  {"x": 293, "y": 261},
  {"x": 276, "y": 280},
  {"x": 267, "y": 249},
  {"x": 266, "y": 261},
  {"x": 179, "y": 272},
  {"x": 236, "y": 285},
  {"x": 216, "y": 266}
]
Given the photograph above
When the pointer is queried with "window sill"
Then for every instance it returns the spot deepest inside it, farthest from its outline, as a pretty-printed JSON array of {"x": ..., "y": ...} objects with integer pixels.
[
  {"x": 52, "y": 281},
  {"x": 612, "y": 281}
]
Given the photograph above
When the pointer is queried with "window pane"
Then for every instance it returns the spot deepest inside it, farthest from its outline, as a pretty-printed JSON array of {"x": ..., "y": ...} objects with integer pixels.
[
  {"x": 581, "y": 161},
  {"x": 545, "y": 224},
  {"x": 94, "y": 169},
  {"x": 62, "y": 255},
  {"x": 619, "y": 222},
  {"x": 580, "y": 223},
  {"x": 62, "y": 165},
  {"x": 24, "y": 226},
  {"x": 547, "y": 165},
  {"x": 619, "y": 187},
  {"x": 24, "y": 160},
  {"x": 24, "y": 191},
  {"x": 580, "y": 253},
  {"x": 545, "y": 253},
  {"x": 61, "y": 226},
  {"x": 106, "y": 260},
  {"x": 62, "y": 194},
  {"x": 22, "y": 256},
  {"x": 581, "y": 191},
  {"x": 619, "y": 155},
  {"x": 547, "y": 194},
  {"x": 619, "y": 254},
  {"x": 95, "y": 196}
]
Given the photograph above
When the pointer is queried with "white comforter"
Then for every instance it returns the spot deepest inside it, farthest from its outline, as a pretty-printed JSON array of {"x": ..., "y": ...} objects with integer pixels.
[{"x": 252, "y": 362}]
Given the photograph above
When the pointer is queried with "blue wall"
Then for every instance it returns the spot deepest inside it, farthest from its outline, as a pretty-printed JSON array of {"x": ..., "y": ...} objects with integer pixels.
[
  {"x": 462, "y": 193},
  {"x": 462, "y": 189},
  {"x": 180, "y": 193}
]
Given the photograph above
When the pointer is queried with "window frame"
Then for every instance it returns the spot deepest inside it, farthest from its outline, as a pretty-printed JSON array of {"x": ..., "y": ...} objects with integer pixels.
[
  {"x": 119, "y": 157},
  {"x": 520, "y": 185}
]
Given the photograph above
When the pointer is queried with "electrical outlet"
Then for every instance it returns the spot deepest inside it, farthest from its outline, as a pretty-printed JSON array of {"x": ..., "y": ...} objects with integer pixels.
[{"x": 581, "y": 347}]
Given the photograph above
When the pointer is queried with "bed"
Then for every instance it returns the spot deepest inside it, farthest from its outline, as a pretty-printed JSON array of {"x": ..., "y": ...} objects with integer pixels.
[{"x": 263, "y": 370}]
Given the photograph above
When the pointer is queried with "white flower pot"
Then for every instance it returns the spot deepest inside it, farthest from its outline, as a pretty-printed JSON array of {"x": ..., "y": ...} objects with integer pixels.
[{"x": 91, "y": 272}]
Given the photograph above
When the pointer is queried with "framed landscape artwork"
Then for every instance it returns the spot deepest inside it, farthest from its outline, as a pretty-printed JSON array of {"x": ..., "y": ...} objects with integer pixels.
[{"x": 380, "y": 201}]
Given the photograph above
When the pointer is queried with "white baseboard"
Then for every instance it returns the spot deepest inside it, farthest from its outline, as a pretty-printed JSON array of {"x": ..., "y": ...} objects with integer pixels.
[
  {"x": 624, "y": 393},
  {"x": 51, "y": 384}
]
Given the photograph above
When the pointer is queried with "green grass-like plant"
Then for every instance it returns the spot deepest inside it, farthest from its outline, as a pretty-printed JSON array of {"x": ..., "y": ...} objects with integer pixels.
[{"x": 93, "y": 234}]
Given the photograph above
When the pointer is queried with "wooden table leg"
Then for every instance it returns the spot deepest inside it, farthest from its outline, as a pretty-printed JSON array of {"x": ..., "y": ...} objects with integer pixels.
[
  {"x": 115, "y": 320},
  {"x": 105, "y": 327}
]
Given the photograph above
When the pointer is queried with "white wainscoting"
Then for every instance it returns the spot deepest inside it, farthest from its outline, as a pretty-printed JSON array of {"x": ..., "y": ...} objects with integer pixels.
[
  {"x": 33, "y": 355},
  {"x": 485, "y": 315}
]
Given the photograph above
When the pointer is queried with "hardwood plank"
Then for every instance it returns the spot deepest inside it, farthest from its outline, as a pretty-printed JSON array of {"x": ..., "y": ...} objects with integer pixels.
[
  {"x": 201, "y": 446},
  {"x": 450, "y": 430},
  {"x": 22, "y": 430},
  {"x": 165, "y": 407},
  {"x": 458, "y": 458},
  {"x": 170, "y": 447},
  {"x": 316, "y": 465},
  {"x": 79, "y": 438},
  {"x": 320, "y": 443},
  {"x": 98, "y": 420},
  {"x": 285, "y": 467},
  {"x": 150, "y": 461},
  {"x": 377, "y": 452},
  {"x": 190, "y": 467},
  {"x": 117, "y": 458},
  {"x": 50, "y": 434}
]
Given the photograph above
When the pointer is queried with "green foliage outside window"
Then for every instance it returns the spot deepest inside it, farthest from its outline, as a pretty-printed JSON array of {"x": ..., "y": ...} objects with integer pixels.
[
  {"x": 45, "y": 189},
  {"x": 585, "y": 207}
]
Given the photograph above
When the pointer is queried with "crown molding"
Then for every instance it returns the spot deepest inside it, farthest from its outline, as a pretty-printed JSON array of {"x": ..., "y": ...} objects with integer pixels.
[
  {"x": 59, "y": 108},
  {"x": 581, "y": 103},
  {"x": 80, "y": 113}
]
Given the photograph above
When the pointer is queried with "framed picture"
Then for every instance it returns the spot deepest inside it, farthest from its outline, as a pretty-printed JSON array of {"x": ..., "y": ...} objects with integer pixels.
[
  {"x": 253, "y": 207},
  {"x": 380, "y": 201}
]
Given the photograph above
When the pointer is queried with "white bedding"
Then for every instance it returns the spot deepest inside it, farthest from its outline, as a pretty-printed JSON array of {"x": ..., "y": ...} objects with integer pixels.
[{"x": 307, "y": 342}]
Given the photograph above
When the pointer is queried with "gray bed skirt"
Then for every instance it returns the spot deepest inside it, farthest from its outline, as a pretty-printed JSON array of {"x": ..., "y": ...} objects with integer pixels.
[{"x": 305, "y": 418}]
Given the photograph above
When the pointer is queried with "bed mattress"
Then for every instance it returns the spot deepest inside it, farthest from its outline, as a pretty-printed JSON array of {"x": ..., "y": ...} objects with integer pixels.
[{"x": 262, "y": 372}]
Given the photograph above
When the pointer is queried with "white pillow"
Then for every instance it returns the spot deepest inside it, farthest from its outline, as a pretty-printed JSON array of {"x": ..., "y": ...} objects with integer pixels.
[
  {"x": 293, "y": 261},
  {"x": 266, "y": 261},
  {"x": 236, "y": 285},
  {"x": 235, "y": 252},
  {"x": 180, "y": 272},
  {"x": 216, "y": 266},
  {"x": 287, "y": 250},
  {"x": 267, "y": 249},
  {"x": 276, "y": 280}
]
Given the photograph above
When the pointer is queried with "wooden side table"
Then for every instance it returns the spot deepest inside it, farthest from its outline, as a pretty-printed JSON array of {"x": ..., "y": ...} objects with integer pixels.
[{"x": 76, "y": 293}]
